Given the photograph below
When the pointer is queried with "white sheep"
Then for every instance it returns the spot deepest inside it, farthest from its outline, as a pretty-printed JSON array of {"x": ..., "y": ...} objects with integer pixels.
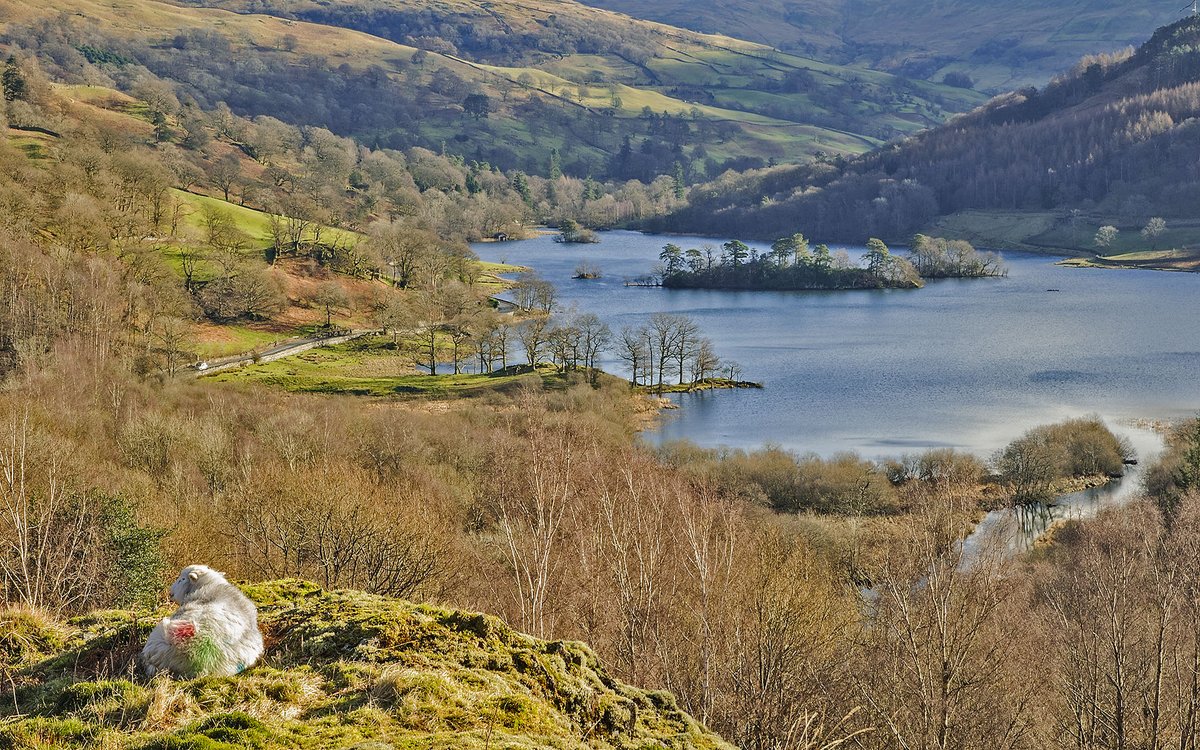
[{"x": 214, "y": 631}]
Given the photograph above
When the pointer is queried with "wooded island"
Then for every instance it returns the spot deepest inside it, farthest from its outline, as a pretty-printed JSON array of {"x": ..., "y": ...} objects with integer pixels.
[{"x": 792, "y": 265}]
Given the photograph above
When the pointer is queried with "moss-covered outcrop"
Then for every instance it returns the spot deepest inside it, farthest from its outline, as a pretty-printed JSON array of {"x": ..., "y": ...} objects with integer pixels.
[{"x": 342, "y": 669}]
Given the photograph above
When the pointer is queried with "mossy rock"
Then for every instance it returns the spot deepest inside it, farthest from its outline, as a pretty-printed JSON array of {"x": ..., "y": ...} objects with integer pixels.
[{"x": 342, "y": 669}]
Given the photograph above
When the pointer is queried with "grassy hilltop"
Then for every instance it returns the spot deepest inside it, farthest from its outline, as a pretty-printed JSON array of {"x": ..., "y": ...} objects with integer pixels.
[
  {"x": 1000, "y": 45},
  {"x": 342, "y": 669},
  {"x": 553, "y": 76}
]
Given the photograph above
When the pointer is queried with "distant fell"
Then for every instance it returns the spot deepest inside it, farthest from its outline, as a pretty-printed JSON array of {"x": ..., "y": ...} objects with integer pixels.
[
  {"x": 1114, "y": 141},
  {"x": 508, "y": 82},
  {"x": 1000, "y": 45}
]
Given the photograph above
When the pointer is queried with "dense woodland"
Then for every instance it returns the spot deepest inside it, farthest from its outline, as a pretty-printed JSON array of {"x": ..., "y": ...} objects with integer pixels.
[{"x": 1115, "y": 136}]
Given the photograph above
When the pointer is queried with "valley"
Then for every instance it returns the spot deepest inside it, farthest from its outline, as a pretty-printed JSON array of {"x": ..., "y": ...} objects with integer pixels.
[
  {"x": 488, "y": 350},
  {"x": 1028, "y": 169}
]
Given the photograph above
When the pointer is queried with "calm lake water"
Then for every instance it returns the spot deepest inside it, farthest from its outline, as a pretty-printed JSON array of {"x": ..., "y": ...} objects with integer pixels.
[{"x": 969, "y": 364}]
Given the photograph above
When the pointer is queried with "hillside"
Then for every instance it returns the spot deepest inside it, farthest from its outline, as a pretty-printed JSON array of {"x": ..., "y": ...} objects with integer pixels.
[
  {"x": 507, "y": 84},
  {"x": 341, "y": 669},
  {"x": 1002, "y": 46},
  {"x": 1111, "y": 143}
]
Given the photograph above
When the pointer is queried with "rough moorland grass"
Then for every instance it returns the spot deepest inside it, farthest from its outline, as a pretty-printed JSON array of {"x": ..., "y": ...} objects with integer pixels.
[
  {"x": 342, "y": 669},
  {"x": 1001, "y": 230}
]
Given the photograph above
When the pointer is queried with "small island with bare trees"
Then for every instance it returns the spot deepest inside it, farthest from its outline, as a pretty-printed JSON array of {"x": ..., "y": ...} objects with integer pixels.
[{"x": 792, "y": 265}]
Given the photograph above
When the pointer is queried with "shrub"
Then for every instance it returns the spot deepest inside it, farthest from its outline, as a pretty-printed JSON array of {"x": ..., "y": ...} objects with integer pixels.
[{"x": 1076, "y": 448}]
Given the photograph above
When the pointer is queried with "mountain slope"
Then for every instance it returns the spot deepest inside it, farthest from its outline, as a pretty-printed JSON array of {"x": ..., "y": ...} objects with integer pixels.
[
  {"x": 1001, "y": 45},
  {"x": 341, "y": 669},
  {"x": 1116, "y": 140},
  {"x": 543, "y": 76}
]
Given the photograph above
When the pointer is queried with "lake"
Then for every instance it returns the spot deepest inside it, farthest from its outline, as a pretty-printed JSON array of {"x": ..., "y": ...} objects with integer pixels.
[{"x": 962, "y": 363}]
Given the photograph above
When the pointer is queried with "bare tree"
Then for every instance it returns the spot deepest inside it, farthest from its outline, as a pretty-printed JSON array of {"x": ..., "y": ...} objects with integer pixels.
[
  {"x": 664, "y": 332},
  {"x": 173, "y": 336},
  {"x": 226, "y": 174},
  {"x": 534, "y": 497},
  {"x": 329, "y": 297},
  {"x": 532, "y": 334},
  {"x": 687, "y": 342},
  {"x": 45, "y": 529},
  {"x": 633, "y": 351},
  {"x": 595, "y": 337}
]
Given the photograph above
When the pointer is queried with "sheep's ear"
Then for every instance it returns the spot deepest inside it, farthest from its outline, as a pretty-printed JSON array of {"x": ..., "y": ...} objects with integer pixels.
[{"x": 193, "y": 575}]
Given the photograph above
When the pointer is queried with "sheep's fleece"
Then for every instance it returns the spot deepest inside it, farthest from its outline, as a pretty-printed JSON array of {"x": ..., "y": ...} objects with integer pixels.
[{"x": 214, "y": 631}]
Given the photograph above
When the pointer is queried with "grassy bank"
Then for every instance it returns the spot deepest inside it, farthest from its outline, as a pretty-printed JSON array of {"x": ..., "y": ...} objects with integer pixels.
[
  {"x": 708, "y": 384},
  {"x": 1147, "y": 260},
  {"x": 341, "y": 669},
  {"x": 1055, "y": 233},
  {"x": 377, "y": 367}
]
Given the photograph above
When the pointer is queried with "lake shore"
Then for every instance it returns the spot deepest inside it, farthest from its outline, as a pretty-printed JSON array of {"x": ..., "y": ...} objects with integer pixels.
[
  {"x": 1185, "y": 261},
  {"x": 962, "y": 364},
  {"x": 708, "y": 384}
]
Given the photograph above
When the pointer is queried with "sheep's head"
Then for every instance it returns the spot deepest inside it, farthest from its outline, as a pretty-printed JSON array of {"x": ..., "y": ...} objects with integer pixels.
[{"x": 192, "y": 578}]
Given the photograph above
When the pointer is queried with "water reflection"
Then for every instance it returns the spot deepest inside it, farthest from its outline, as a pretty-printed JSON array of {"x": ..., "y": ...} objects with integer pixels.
[{"x": 1012, "y": 531}]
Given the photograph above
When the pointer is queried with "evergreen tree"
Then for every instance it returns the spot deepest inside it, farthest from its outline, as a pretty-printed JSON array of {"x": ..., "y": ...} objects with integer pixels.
[
  {"x": 592, "y": 190},
  {"x": 672, "y": 259},
  {"x": 555, "y": 169},
  {"x": 477, "y": 105},
  {"x": 822, "y": 258},
  {"x": 878, "y": 256},
  {"x": 13, "y": 81},
  {"x": 520, "y": 183},
  {"x": 1187, "y": 475},
  {"x": 736, "y": 251},
  {"x": 794, "y": 246}
]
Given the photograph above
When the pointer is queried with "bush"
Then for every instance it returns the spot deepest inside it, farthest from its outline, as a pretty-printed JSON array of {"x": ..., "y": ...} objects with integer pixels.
[
  {"x": 958, "y": 80},
  {"x": 941, "y": 466},
  {"x": 1177, "y": 471},
  {"x": 1076, "y": 448},
  {"x": 846, "y": 484}
]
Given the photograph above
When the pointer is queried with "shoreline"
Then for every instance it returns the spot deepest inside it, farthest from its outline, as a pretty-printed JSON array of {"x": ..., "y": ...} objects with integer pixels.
[
  {"x": 1173, "y": 261},
  {"x": 708, "y": 384}
]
